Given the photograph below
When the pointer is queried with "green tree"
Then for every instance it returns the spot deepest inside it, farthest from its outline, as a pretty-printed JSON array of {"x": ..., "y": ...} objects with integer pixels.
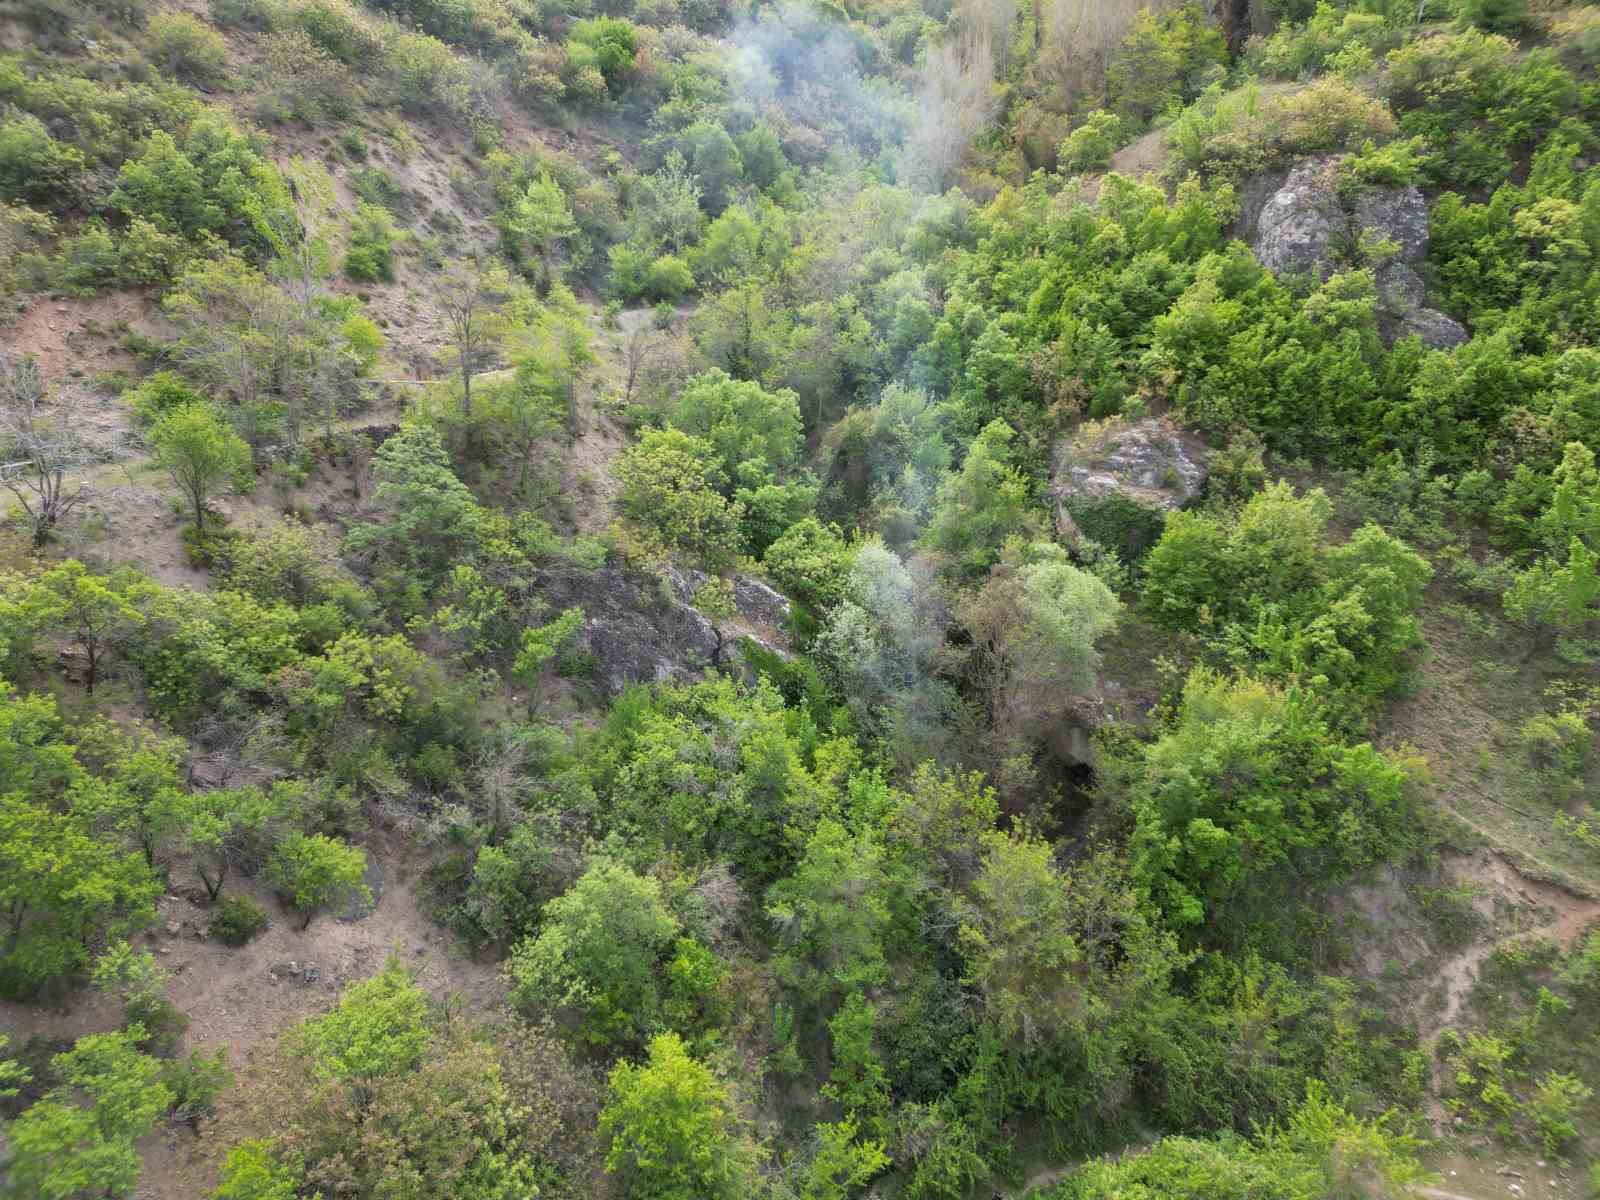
[
  {"x": 222, "y": 827},
  {"x": 671, "y": 1130},
  {"x": 313, "y": 872},
  {"x": 540, "y": 644},
  {"x": 840, "y": 1164},
  {"x": 60, "y": 1150},
  {"x": 982, "y": 504},
  {"x": 63, "y": 882},
  {"x": 478, "y": 300},
  {"x": 811, "y": 562},
  {"x": 1249, "y": 779},
  {"x": 379, "y": 1029},
  {"x": 94, "y": 611},
  {"x": 755, "y": 433},
  {"x": 599, "y": 954},
  {"x": 201, "y": 453},
  {"x": 671, "y": 487},
  {"x": 833, "y": 914}
]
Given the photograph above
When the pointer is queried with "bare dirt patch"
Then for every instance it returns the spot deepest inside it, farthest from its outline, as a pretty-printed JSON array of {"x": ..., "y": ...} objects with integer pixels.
[{"x": 240, "y": 999}]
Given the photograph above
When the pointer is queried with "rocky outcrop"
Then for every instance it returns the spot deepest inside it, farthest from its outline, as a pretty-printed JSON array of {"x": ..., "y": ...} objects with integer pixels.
[
  {"x": 1297, "y": 224},
  {"x": 1115, "y": 481},
  {"x": 642, "y": 628}
]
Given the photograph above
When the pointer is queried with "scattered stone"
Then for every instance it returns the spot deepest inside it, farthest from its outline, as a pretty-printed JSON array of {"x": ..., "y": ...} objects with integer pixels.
[{"x": 174, "y": 928}]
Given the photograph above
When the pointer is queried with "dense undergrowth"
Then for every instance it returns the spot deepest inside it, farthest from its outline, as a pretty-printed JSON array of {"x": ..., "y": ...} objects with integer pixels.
[{"x": 842, "y": 916}]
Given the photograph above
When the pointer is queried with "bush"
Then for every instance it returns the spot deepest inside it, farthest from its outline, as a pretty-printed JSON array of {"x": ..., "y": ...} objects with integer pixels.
[
  {"x": 262, "y": 16},
  {"x": 158, "y": 395},
  {"x": 237, "y": 920},
  {"x": 34, "y": 166},
  {"x": 604, "y": 44},
  {"x": 1090, "y": 146},
  {"x": 369, "y": 258},
  {"x": 1240, "y": 133},
  {"x": 668, "y": 279},
  {"x": 184, "y": 47}
]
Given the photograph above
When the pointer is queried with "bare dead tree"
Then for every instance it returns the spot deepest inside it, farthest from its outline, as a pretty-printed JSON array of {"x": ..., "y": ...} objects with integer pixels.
[
  {"x": 955, "y": 103},
  {"x": 39, "y": 444},
  {"x": 638, "y": 350}
]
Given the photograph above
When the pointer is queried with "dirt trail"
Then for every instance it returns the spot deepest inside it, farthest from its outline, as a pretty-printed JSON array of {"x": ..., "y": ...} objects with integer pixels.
[{"x": 1556, "y": 913}]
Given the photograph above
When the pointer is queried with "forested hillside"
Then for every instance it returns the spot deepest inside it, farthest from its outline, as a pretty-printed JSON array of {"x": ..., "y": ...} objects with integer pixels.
[{"x": 692, "y": 600}]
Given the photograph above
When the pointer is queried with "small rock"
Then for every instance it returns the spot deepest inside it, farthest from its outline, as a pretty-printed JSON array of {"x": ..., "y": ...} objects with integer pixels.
[
  {"x": 1515, "y": 1189},
  {"x": 174, "y": 928},
  {"x": 310, "y": 974}
]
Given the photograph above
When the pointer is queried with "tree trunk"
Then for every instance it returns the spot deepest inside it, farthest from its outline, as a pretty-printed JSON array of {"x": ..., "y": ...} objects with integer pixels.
[
  {"x": 93, "y": 651},
  {"x": 466, "y": 380},
  {"x": 306, "y": 924}
]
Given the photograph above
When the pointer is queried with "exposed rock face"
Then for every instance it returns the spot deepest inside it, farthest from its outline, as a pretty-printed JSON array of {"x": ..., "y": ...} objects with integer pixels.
[
  {"x": 637, "y": 631},
  {"x": 1116, "y": 481},
  {"x": 1297, "y": 225},
  {"x": 643, "y": 628}
]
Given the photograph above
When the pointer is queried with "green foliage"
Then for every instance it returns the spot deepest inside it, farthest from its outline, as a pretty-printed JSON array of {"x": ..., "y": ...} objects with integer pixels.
[
  {"x": 671, "y": 1129},
  {"x": 64, "y": 880},
  {"x": 185, "y": 47},
  {"x": 603, "y": 44},
  {"x": 369, "y": 256},
  {"x": 598, "y": 955},
  {"x": 60, "y": 1150},
  {"x": 378, "y": 1029},
  {"x": 1323, "y": 1150},
  {"x": 981, "y": 506},
  {"x": 313, "y": 872},
  {"x": 1089, "y": 147},
  {"x": 1249, "y": 779},
  {"x": 1163, "y": 62},
  {"x": 755, "y": 433},
  {"x": 811, "y": 562},
  {"x": 1338, "y": 619},
  {"x": 34, "y": 167},
  {"x": 201, "y": 454},
  {"x": 236, "y": 920},
  {"x": 671, "y": 489}
]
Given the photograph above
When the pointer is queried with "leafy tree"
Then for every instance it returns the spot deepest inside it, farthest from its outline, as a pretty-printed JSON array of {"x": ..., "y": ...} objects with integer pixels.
[
  {"x": 539, "y": 645},
  {"x": 598, "y": 954},
  {"x": 475, "y": 297},
  {"x": 755, "y": 433},
  {"x": 607, "y": 43},
  {"x": 1034, "y": 625},
  {"x": 1555, "y": 592},
  {"x": 715, "y": 161},
  {"x": 671, "y": 487},
  {"x": 251, "y": 1173},
  {"x": 379, "y": 1029},
  {"x": 60, "y": 1150},
  {"x": 94, "y": 611},
  {"x": 1250, "y": 779},
  {"x": 841, "y": 1163},
  {"x": 983, "y": 504},
  {"x": 671, "y": 1129},
  {"x": 1018, "y": 941},
  {"x": 857, "y": 1082},
  {"x": 226, "y": 826},
  {"x": 200, "y": 453},
  {"x": 313, "y": 872},
  {"x": 62, "y": 881},
  {"x": 811, "y": 562},
  {"x": 833, "y": 914}
]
